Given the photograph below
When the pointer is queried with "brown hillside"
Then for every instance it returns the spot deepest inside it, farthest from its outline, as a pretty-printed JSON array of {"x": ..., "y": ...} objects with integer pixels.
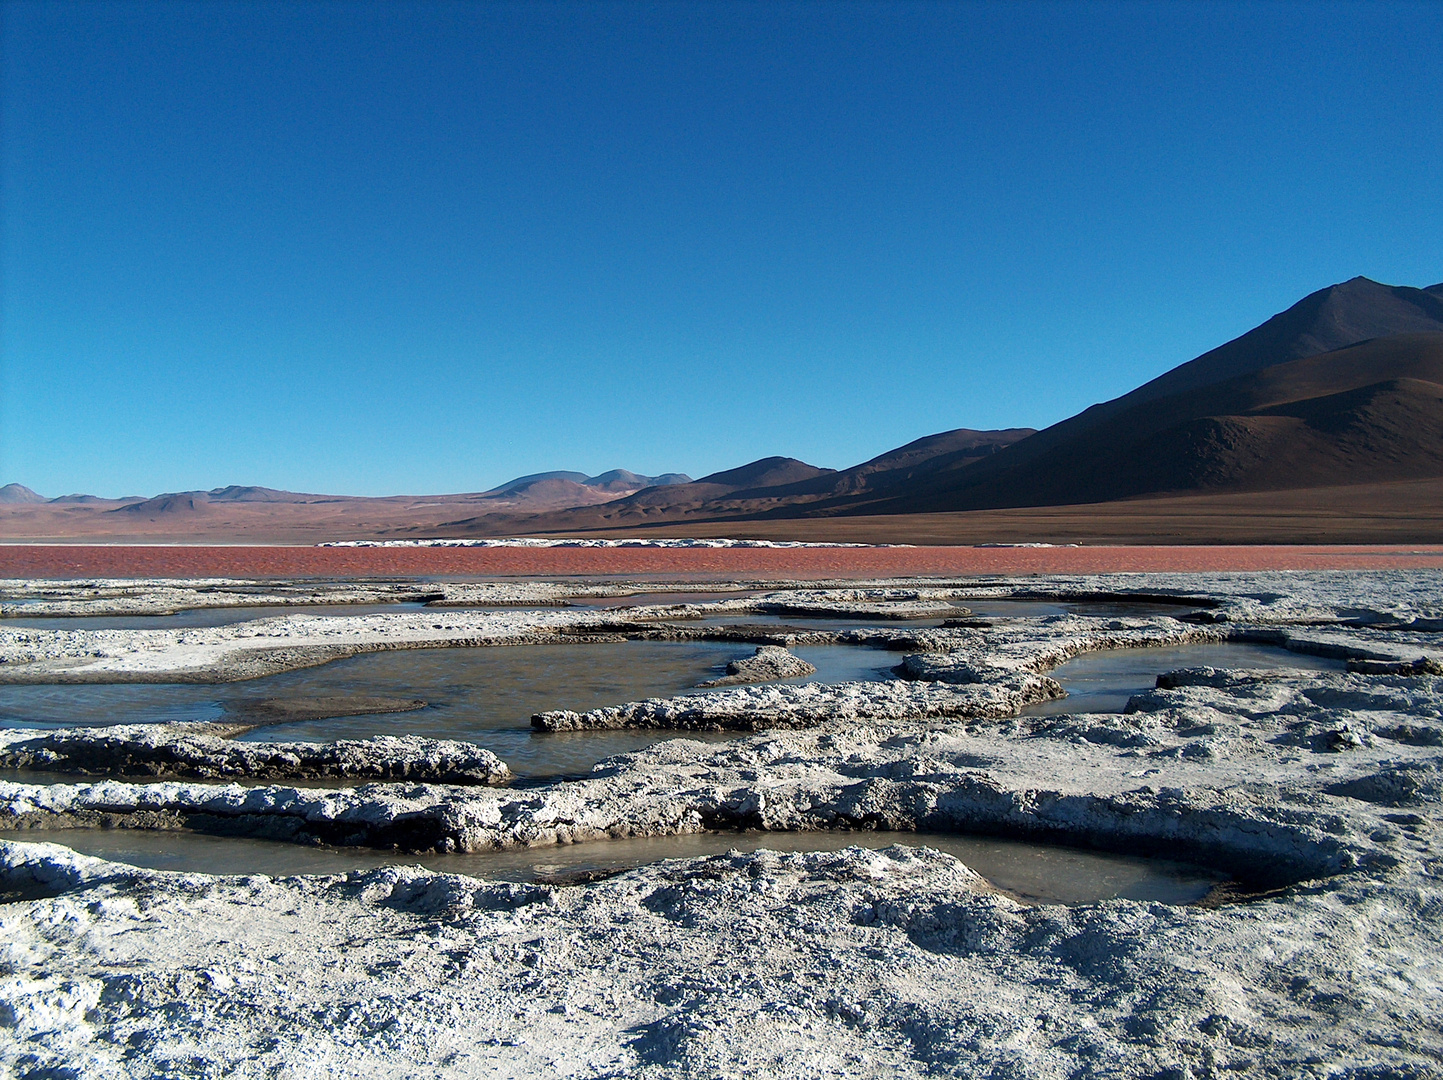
[{"x": 1369, "y": 413}]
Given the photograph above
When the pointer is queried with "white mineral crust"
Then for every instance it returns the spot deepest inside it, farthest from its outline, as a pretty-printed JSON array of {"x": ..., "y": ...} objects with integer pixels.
[{"x": 1321, "y": 791}]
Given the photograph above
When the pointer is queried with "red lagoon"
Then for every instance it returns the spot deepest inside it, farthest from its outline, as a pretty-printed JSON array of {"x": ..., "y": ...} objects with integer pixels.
[{"x": 173, "y": 561}]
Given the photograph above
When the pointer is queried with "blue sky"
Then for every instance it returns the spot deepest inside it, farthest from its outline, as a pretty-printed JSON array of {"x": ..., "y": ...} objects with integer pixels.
[{"x": 384, "y": 248}]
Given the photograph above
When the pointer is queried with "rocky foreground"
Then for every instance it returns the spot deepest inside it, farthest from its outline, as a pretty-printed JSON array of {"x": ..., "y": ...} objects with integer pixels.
[{"x": 1320, "y": 793}]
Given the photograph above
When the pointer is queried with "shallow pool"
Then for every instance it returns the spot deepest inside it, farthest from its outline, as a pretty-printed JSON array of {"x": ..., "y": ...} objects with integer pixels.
[
  {"x": 1041, "y": 873},
  {"x": 1103, "y": 681},
  {"x": 484, "y": 695}
]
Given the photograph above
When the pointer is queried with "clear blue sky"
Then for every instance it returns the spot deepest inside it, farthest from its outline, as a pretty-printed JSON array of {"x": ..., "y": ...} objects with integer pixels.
[{"x": 383, "y": 248}]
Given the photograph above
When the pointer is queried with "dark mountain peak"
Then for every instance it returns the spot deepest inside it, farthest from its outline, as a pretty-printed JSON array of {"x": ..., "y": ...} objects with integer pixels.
[
  {"x": 1334, "y": 317},
  {"x": 765, "y": 472},
  {"x": 19, "y": 493},
  {"x": 1436, "y": 290},
  {"x": 1366, "y": 413},
  {"x": 1348, "y": 313}
]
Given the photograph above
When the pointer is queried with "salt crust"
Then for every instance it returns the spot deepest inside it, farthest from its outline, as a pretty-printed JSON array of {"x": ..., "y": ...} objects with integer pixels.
[
  {"x": 901, "y": 962},
  {"x": 767, "y": 664},
  {"x": 1398, "y": 602}
]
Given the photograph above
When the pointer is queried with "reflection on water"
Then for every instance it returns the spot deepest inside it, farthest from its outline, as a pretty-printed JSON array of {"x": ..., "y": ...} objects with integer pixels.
[
  {"x": 486, "y": 696},
  {"x": 844, "y": 663},
  {"x": 1037, "y": 872},
  {"x": 1103, "y": 681}
]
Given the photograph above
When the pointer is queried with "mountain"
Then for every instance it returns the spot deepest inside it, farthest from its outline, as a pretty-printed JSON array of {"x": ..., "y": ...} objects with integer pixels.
[
  {"x": 768, "y": 487},
  {"x": 1100, "y": 453},
  {"x": 617, "y": 480},
  {"x": 19, "y": 493},
  {"x": 522, "y": 482},
  {"x": 1323, "y": 423},
  {"x": 944, "y": 452},
  {"x": 1369, "y": 413},
  {"x": 1340, "y": 315},
  {"x": 786, "y": 487},
  {"x": 624, "y": 480},
  {"x": 678, "y": 495},
  {"x": 80, "y": 499},
  {"x": 533, "y": 493},
  {"x": 175, "y": 502}
]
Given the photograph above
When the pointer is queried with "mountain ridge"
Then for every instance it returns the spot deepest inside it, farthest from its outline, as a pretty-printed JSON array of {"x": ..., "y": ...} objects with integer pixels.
[{"x": 1342, "y": 389}]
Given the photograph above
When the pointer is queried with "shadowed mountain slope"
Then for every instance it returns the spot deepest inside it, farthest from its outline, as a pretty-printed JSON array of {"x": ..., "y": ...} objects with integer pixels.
[
  {"x": 1367, "y": 413},
  {"x": 773, "y": 486},
  {"x": 1332, "y": 318},
  {"x": 921, "y": 457}
]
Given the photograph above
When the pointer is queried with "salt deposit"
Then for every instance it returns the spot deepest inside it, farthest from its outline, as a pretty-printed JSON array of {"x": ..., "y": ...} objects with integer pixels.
[{"x": 1320, "y": 791}]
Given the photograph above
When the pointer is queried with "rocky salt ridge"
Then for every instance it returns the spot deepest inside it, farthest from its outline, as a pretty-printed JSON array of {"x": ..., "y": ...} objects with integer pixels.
[
  {"x": 1321, "y": 786},
  {"x": 767, "y": 664},
  {"x": 202, "y": 751},
  {"x": 1396, "y": 598},
  {"x": 758, "y": 708}
]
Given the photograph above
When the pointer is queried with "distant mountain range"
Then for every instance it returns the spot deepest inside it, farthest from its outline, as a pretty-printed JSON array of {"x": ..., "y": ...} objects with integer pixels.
[
  {"x": 1344, "y": 390},
  {"x": 539, "y": 490}
]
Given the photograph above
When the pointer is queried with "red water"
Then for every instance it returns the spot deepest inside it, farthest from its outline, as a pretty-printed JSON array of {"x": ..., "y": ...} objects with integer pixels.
[{"x": 170, "y": 561}]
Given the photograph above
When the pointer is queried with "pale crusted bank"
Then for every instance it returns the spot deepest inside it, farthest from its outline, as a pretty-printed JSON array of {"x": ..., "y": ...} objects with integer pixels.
[{"x": 203, "y": 751}]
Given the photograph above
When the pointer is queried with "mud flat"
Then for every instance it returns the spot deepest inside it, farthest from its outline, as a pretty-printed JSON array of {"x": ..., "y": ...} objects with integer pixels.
[{"x": 1319, "y": 792}]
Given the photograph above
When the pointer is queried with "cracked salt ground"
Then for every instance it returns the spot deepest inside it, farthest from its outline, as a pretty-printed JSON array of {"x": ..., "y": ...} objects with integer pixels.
[
  {"x": 1101, "y": 682},
  {"x": 1039, "y": 873}
]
